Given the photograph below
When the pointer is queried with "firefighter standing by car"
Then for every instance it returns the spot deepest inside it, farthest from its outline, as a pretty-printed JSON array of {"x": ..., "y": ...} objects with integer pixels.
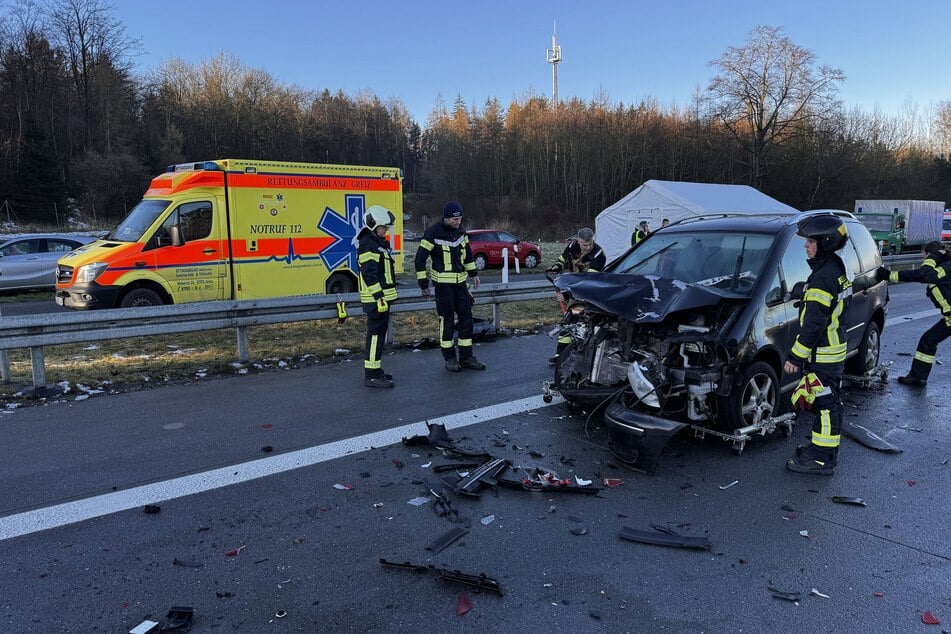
[
  {"x": 447, "y": 246},
  {"x": 583, "y": 255},
  {"x": 377, "y": 289},
  {"x": 935, "y": 271},
  {"x": 819, "y": 349}
]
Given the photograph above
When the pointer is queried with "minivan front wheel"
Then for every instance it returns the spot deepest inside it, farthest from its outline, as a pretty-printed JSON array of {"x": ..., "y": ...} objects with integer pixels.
[
  {"x": 868, "y": 354},
  {"x": 755, "y": 396}
]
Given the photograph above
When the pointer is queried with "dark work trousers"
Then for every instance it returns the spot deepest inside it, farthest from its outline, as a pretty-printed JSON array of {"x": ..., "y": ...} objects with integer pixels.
[
  {"x": 927, "y": 347},
  {"x": 377, "y": 325},
  {"x": 827, "y": 426},
  {"x": 454, "y": 299}
]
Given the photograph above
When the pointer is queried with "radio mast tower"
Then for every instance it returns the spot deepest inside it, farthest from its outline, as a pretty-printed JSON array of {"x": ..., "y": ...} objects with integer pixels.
[{"x": 553, "y": 56}]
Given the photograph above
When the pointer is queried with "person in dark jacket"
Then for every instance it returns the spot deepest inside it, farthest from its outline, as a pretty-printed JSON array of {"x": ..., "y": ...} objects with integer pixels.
[
  {"x": 819, "y": 350},
  {"x": 583, "y": 255},
  {"x": 935, "y": 271},
  {"x": 640, "y": 233},
  {"x": 446, "y": 245},
  {"x": 377, "y": 289}
]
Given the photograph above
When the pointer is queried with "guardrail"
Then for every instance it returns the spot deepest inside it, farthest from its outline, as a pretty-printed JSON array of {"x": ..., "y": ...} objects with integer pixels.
[{"x": 36, "y": 331}]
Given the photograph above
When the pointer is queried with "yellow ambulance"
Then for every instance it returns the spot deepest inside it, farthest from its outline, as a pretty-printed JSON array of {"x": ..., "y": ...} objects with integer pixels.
[{"x": 234, "y": 229}]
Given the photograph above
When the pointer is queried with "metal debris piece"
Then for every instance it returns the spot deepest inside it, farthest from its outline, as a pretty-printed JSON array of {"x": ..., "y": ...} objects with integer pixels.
[
  {"x": 819, "y": 594},
  {"x": 724, "y": 487},
  {"x": 794, "y": 597}
]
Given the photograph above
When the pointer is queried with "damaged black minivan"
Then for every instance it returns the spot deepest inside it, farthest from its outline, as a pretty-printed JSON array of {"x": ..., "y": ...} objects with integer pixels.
[{"x": 691, "y": 328}]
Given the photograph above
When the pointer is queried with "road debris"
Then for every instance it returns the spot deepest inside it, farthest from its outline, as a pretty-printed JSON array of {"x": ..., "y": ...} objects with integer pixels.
[
  {"x": 793, "y": 597},
  {"x": 612, "y": 482},
  {"x": 463, "y": 604},
  {"x": 446, "y": 538},
  {"x": 267, "y": 449},
  {"x": 867, "y": 437},
  {"x": 343, "y": 486},
  {"x": 235, "y": 552},
  {"x": 488, "y": 519},
  {"x": 805, "y": 534},
  {"x": 179, "y": 619},
  {"x": 724, "y": 487},
  {"x": 839, "y": 499},
  {"x": 418, "y": 501},
  {"x": 819, "y": 594},
  {"x": 581, "y": 482},
  {"x": 151, "y": 509},
  {"x": 929, "y": 619},
  {"x": 480, "y": 581},
  {"x": 664, "y": 539}
]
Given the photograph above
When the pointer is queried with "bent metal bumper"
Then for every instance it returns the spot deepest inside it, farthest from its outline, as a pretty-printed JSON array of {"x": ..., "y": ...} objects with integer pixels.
[{"x": 638, "y": 438}]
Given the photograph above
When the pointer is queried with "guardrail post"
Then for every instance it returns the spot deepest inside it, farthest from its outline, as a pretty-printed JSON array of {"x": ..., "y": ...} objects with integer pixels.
[
  {"x": 243, "y": 354},
  {"x": 40, "y": 389},
  {"x": 4, "y": 367},
  {"x": 496, "y": 317}
]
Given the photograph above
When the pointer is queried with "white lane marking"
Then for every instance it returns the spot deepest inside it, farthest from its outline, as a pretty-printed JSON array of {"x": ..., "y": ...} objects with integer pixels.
[
  {"x": 88, "y": 508},
  {"x": 921, "y": 314}
]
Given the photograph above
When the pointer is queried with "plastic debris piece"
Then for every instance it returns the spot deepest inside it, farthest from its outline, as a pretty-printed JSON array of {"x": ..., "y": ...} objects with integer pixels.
[
  {"x": 794, "y": 597},
  {"x": 724, "y": 487},
  {"x": 786, "y": 507},
  {"x": 267, "y": 426},
  {"x": 151, "y": 509},
  {"x": 878, "y": 595},
  {"x": 419, "y": 501},
  {"x": 579, "y": 531},
  {"x": 224, "y": 595},
  {"x": 235, "y": 552},
  {"x": 377, "y": 505},
  {"x": 179, "y": 618},
  {"x": 818, "y": 594},
  {"x": 427, "y": 465},
  {"x": 446, "y": 538},
  {"x": 582, "y": 482},
  {"x": 805, "y": 534},
  {"x": 536, "y": 454},
  {"x": 867, "y": 437},
  {"x": 463, "y": 605},
  {"x": 267, "y": 449},
  {"x": 663, "y": 539},
  {"x": 146, "y": 627},
  {"x": 789, "y": 517},
  {"x": 912, "y": 483},
  {"x": 488, "y": 519},
  {"x": 613, "y": 482},
  {"x": 848, "y": 500},
  {"x": 343, "y": 486},
  {"x": 397, "y": 463},
  {"x": 280, "y": 614},
  {"x": 929, "y": 619}
]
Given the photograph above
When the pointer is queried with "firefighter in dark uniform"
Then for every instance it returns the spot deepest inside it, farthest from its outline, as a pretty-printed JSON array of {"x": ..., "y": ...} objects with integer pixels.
[
  {"x": 640, "y": 233},
  {"x": 377, "y": 289},
  {"x": 447, "y": 246},
  {"x": 819, "y": 349},
  {"x": 935, "y": 271},
  {"x": 583, "y": 255}
]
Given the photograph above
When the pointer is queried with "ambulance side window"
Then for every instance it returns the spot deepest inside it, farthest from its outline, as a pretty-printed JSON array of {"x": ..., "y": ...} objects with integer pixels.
[{"x": 194, "y": 220}]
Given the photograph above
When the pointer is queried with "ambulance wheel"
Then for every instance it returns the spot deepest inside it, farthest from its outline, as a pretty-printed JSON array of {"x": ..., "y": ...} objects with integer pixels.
[
  {"x": 339, "y": 283},
  {"x": 139, "y": 298}
]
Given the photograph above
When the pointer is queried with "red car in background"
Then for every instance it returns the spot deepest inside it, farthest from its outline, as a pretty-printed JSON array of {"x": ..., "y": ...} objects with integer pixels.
[
  {"x": 487, "y": 245},
  {"x": 946, "y": 227}
]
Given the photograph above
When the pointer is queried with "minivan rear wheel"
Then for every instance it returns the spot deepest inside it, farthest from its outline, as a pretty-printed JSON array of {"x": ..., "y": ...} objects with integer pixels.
[
  {"x": 868, "y": 354},
  {"x": 755, "y": 396}
]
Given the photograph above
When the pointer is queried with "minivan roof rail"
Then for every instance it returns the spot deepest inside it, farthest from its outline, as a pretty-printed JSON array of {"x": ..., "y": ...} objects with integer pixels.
[{"x": 821, "y": 212}]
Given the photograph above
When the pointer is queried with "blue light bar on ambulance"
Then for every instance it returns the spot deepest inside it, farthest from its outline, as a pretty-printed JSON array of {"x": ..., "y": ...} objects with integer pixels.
[{"x": 208, "y": 166}]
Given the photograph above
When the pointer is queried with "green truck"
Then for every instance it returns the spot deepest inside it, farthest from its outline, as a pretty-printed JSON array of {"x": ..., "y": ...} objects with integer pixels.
[{"x": 901, "y": 225}]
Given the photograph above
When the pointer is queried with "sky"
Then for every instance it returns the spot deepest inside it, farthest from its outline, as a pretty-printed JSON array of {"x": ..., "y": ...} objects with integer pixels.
[{"x": 896, "y": 55}]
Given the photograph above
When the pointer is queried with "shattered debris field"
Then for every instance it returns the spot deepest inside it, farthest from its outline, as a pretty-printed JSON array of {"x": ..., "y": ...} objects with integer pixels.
[{"x": 290, "y": 502}]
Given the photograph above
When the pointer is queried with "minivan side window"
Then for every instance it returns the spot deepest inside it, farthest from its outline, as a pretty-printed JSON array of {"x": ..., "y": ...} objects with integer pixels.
[
  {"x": 868, "y": 252},
  {"x": 795, "y": 267}
]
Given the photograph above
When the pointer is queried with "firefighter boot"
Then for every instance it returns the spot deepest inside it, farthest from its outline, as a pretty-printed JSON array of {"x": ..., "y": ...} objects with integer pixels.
[
  {"x": 811, "y": 459},
  {"x": 913, "y": 381},
  {"x": 452, "y": 365},
  {"x": 378, "y": 381},
  {"x": 471, "y": 363}
]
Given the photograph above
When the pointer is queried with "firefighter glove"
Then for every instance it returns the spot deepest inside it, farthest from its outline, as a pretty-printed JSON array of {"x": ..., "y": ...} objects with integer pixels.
[
  {"x": 881, "y": 274},
  {"x": 426, "y": 291},
  {"x": 381, "y": 305}
]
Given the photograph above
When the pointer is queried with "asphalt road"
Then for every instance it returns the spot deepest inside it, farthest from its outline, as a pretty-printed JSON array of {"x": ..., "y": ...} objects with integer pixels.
[{"x": 77, "y": 552}]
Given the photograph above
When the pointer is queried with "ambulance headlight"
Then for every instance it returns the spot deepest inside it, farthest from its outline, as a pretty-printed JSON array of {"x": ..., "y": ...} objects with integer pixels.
[{"x": 89, "y": 272}]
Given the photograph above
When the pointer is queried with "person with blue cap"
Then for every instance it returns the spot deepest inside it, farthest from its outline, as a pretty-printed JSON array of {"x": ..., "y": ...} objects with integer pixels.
[{"x": 446, "y": 246}]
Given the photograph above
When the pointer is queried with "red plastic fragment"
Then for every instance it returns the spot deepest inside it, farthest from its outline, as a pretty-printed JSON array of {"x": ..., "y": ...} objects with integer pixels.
[
  {"x": 929, "y": 619},
  {"x": 266, "y": 426},
  {"x": 613, "y": 482},
  {"x": 878, "y": 594},
  {"x": 463, "y": 605},
  {"x": 234, "y": 553},
  {"x": 912, "y": 483},
  {"x": 344, "y": 486}
]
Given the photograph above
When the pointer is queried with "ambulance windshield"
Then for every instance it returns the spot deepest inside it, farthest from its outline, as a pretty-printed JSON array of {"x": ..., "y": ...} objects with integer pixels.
[{"x": 138, "y": 221}]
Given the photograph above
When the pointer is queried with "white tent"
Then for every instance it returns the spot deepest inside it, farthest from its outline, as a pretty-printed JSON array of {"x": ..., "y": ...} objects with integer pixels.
[{"x": 655, "y": 200}]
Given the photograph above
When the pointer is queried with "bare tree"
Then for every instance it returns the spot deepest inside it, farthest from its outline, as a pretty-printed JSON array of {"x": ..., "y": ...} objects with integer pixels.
[{"x": 767, "y": 90}]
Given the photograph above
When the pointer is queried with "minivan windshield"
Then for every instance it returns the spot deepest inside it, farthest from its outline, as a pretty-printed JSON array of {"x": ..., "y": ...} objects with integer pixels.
[
  {"x": 139, "y": 219},
  {"x": 727, "y": 260}
]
